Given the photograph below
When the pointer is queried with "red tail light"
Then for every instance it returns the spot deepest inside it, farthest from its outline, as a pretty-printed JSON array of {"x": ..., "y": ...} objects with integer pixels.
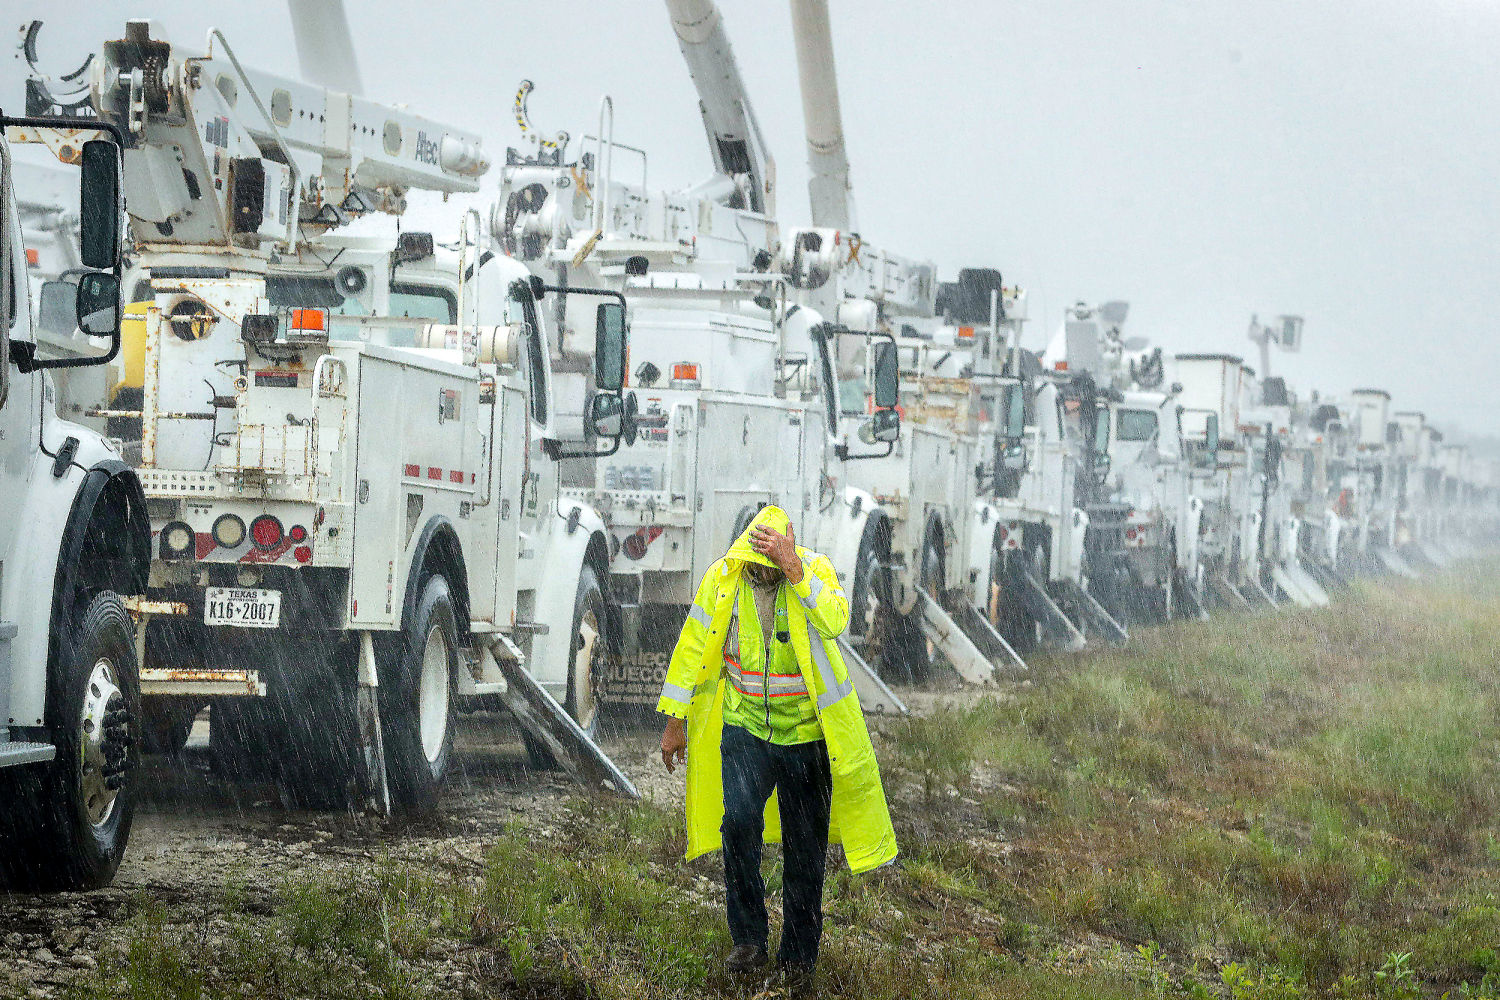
[{"x": 265, "y": 532}]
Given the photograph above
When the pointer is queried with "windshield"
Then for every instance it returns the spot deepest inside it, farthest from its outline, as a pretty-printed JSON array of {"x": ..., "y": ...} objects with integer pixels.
[{"x": 1136, "y": 425}]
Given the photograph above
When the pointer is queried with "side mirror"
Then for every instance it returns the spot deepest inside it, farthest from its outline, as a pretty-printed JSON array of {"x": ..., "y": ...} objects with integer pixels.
[
  {"x": 538, "y": 288},
  {"x": 887, "y": 376},
  {"x": 607, "y": 415},
  {"x": 885, "y": 426},
  {"x": 98, "y": 304},
  {"x": 609, "y": 347},
  {"x": 1211, "y": 435},
  {"x": 99, "y": 206}
]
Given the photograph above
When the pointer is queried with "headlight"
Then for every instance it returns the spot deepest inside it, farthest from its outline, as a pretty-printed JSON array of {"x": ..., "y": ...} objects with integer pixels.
[
  {"x": 176, "y": 541},
  {"x": 229, "y": 531}
]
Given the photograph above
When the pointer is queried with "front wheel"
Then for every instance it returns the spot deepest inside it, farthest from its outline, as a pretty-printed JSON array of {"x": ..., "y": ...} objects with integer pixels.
[
  {"x": 417, "y": 701},
  {"x": 65, "y": 824},
  {"x": 589, "y": 654}
]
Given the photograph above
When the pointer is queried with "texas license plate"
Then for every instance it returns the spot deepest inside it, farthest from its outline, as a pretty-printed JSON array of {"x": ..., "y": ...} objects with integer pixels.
[{"x": 242, "y": 607}]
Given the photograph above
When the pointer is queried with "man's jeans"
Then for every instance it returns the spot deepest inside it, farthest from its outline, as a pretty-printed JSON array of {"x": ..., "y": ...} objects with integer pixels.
[{"x": 800, "y": 776}]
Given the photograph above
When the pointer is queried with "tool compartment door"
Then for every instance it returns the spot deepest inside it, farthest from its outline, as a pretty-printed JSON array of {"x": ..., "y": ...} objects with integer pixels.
[
  {"x": 415, "y": 461},
  {"x": 739, "y": 466},
  {"x": 379, "y": 419}
]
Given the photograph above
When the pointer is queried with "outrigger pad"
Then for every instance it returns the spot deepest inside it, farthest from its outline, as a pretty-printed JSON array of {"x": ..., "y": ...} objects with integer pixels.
[
  {"x": 550, "y": 724},
  {"x": 875, "y": 698}
]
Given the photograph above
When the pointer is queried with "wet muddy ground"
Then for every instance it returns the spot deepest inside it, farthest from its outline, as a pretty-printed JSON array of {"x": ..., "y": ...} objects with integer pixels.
[{"x": 197, "y": 837}]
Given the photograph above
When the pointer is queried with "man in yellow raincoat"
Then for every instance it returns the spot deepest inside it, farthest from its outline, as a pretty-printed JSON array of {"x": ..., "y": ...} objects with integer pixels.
[{"x": 763, "y": 711}]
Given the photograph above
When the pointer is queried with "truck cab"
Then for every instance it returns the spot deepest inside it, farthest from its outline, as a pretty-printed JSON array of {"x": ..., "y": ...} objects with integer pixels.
[{"x": 74, "y": 549}]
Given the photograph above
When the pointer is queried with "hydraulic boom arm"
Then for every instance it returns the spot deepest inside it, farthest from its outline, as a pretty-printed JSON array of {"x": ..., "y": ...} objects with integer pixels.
[
  {"x": 734, "y": 138},
  {"x": 828, "y": 186}
]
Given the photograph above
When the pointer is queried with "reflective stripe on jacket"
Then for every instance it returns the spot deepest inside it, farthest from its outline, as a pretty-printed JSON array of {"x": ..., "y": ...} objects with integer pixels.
[
  {"x": 694, "y": 690},
  {"x": 767, "y": 695}
]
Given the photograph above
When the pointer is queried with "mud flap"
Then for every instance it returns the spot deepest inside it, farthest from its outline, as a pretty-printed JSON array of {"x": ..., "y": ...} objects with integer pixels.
[
  {"x": 1307, "y": 582},
  {"x": 972, "y": 665},
  {"x": 1228, "y": 593},
  {"x": 874, "y": 697},
  {"x": 1325, "y": 577},
  {"x": 1256, "y": 589},
  {"x": 549, "y": 723},
  {"x": 371, "y": 744},
  {"x": 1041, "y": 606}
]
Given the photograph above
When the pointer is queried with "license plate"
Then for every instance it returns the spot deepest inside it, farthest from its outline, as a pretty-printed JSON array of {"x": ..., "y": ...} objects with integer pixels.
[{"x": 242, "y": 607}]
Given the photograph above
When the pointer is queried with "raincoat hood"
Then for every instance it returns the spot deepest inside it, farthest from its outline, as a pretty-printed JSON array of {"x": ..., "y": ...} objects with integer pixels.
[{"x": 742, "y": 552}]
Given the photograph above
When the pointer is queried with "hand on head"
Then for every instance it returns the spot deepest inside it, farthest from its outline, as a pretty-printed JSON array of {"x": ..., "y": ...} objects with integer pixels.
[{"x": 780, "y": 549}]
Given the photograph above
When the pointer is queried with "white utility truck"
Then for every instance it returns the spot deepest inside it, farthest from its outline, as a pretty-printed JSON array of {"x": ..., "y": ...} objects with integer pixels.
[
  {"x": 74, "y": 553},
  {"x": 880, "y": 304},
  {"x": 733, "y": 399},
  {"x": 347, "y": 442}
]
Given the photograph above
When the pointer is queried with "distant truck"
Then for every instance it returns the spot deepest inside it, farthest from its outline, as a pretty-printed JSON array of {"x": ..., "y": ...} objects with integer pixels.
[{"x": 74, "y": 554}]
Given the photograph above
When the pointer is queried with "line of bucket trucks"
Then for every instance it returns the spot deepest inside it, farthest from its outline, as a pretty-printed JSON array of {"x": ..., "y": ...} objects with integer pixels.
[{"x": 341, "y": 481}]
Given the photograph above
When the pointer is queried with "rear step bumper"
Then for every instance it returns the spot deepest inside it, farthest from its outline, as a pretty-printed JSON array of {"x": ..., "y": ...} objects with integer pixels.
[{"x": 12, "y": 754}]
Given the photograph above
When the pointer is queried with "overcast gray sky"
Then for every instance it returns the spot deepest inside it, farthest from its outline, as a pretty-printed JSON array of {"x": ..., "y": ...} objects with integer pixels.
[{"x": 1204, "y": 160}]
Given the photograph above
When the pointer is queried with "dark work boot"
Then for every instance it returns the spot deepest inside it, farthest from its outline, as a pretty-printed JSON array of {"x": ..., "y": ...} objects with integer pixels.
[
  {"x": 799, "y": 981},
  {"x": 745, "y": 960}
]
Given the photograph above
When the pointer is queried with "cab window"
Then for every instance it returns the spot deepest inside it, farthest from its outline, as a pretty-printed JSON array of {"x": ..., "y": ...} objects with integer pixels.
[
  {"x": 828, "y": 383},
  {"x": 521, "y": 308},
  {"x": 1136, "y": 425},
  {"x": 423, "y": 303}
]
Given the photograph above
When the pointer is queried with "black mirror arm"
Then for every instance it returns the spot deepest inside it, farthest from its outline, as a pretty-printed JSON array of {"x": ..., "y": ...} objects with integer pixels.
[
  {"x": 37, "y": 364},
  {"x": 555, "y": 451},
  {"x": 606, "y": 292},
  {"x": 842, "y": 451}
]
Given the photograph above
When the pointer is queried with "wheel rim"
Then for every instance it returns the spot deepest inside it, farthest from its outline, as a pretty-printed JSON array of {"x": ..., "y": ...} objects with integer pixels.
[
  {"x": 587, "y": 651},
  {"x": 98, "y": 797},
  {"x": 432, "y": 694}
]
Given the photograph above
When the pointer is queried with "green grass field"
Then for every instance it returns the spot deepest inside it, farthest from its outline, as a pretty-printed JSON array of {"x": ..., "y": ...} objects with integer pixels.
[{"x": 1304, "y": 804}]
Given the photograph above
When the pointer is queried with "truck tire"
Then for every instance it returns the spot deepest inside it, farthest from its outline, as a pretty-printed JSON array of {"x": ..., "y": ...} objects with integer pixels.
[
  {"x": 582, "y": 703},
  {"x": 302, "y": 736},
  {"x": 910, "y": 658},
  {"x": 417, "y": 698},
  {"x": 870, "y": 594},
  {"x": 165, "y": 728},
  {"x": 67, "y": 824}
]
